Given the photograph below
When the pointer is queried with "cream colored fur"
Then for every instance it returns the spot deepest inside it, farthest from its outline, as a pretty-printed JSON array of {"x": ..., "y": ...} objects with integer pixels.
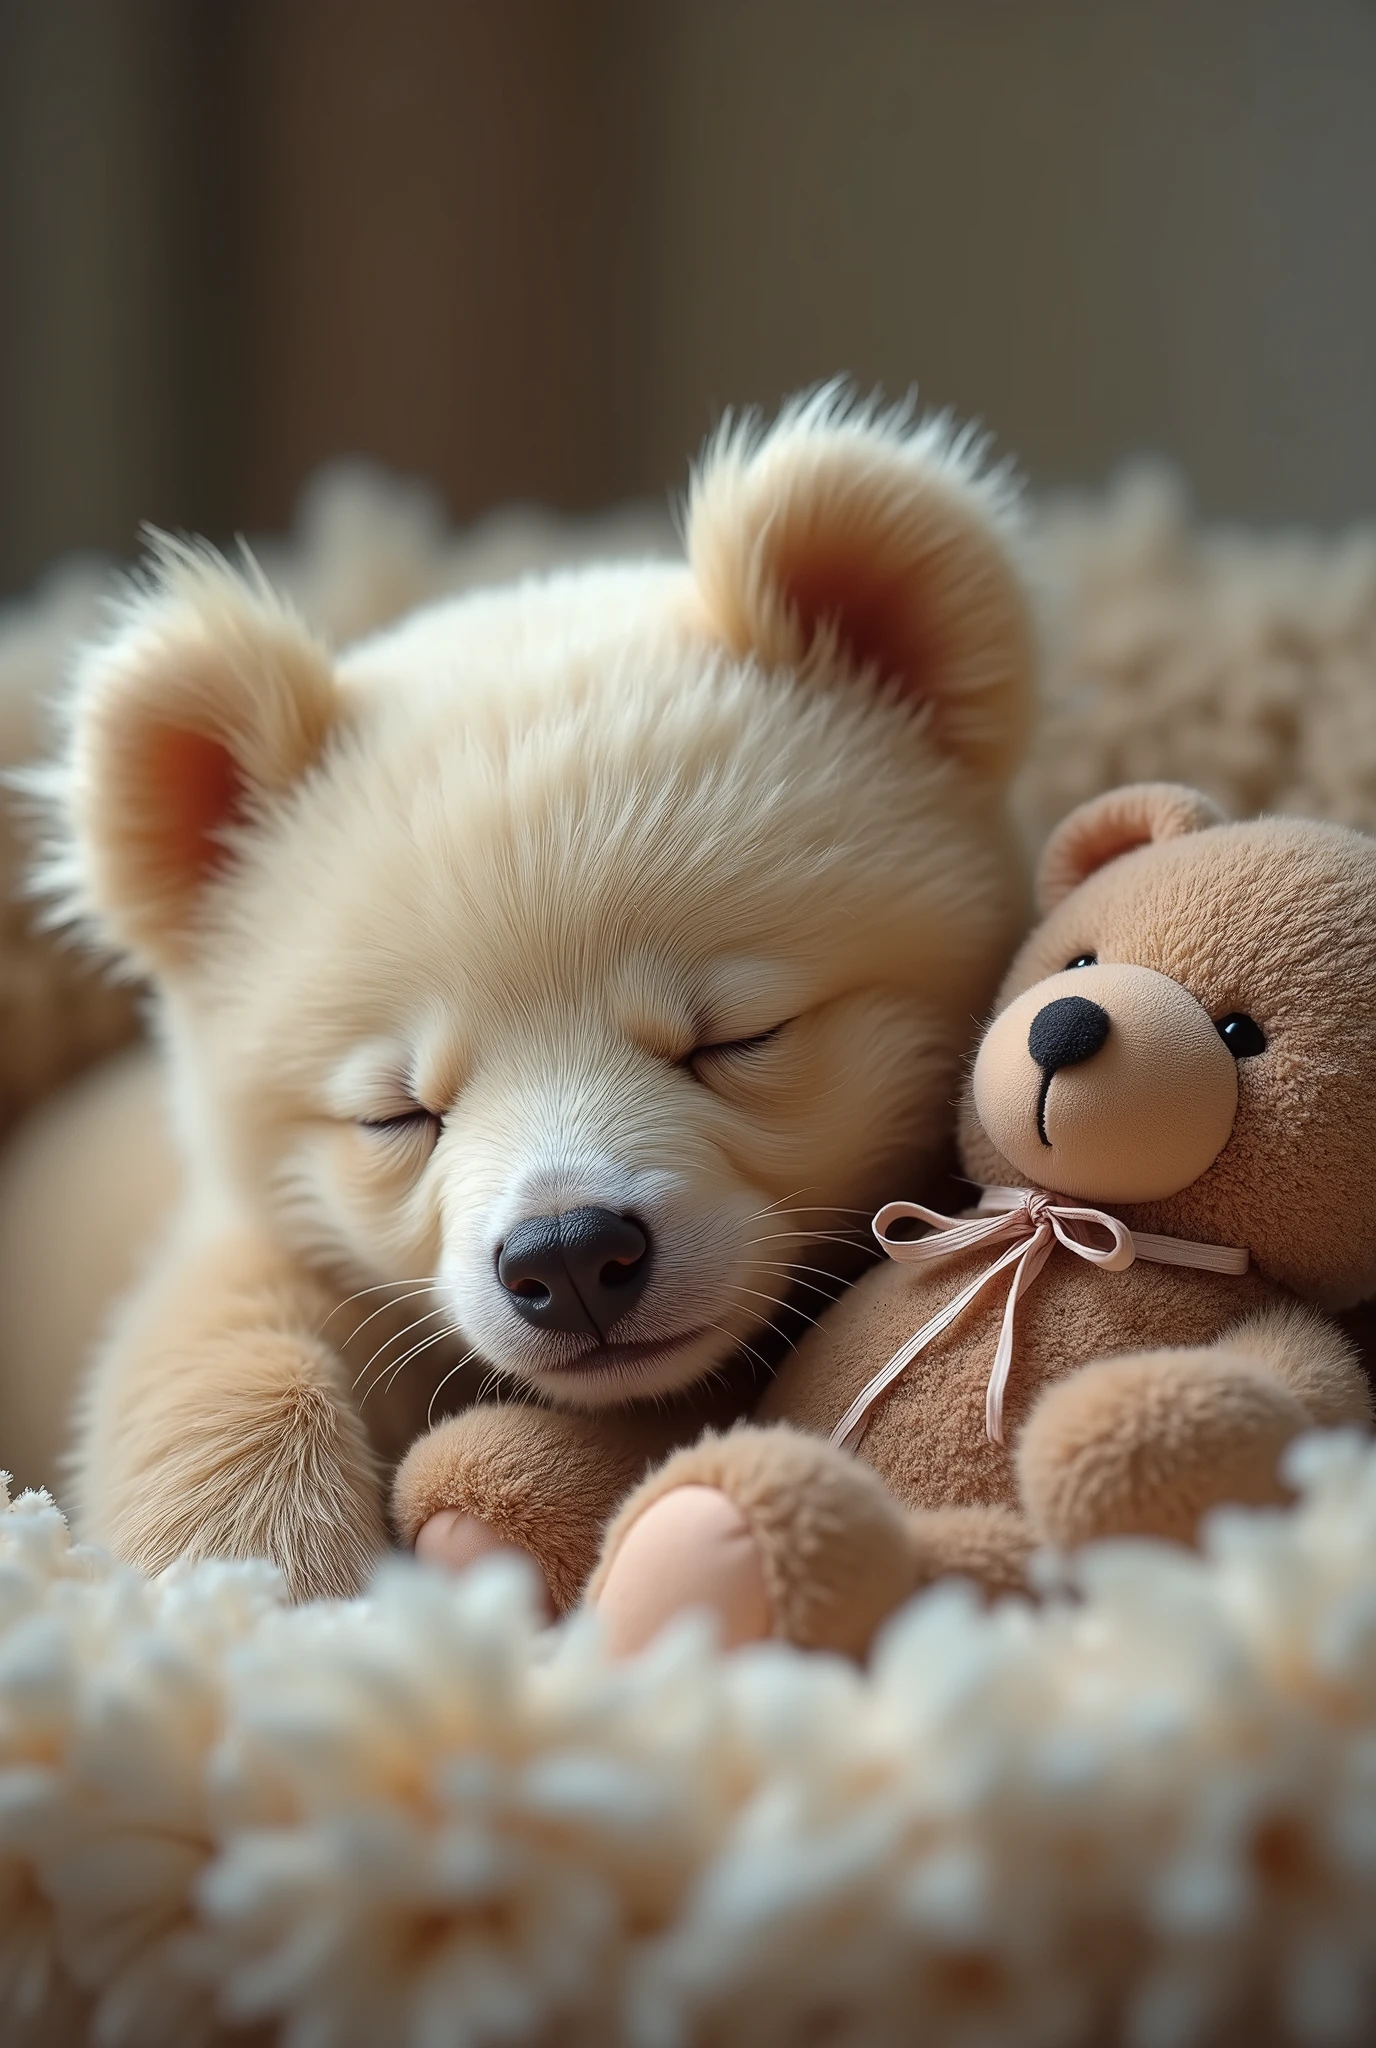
[{"x": 464, "y": 925}]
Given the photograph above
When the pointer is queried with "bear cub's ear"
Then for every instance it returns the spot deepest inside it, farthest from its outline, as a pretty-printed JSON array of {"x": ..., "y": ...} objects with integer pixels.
[
  {"x": 207, "y": 699},
  {"x": 847, "y": 536},
  {"x": 1113, "y": 824}
]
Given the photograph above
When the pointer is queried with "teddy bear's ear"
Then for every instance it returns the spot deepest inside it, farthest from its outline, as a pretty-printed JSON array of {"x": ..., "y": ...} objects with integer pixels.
[
  {"x": 208, "y": 699},
  {"x": 1113, "y": 824},
  {"x": 843, "y": 534}
]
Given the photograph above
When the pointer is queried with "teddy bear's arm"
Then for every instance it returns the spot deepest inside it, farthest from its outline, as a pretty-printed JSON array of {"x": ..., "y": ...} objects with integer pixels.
[
  {"x": 217, "y": 1422},
  {"x": 1146, "y": 1442},
  {"x": 987, "y": 1545},
  {"x": 542, "y": 1480},
  {"x": 1310, "y": 1355}
]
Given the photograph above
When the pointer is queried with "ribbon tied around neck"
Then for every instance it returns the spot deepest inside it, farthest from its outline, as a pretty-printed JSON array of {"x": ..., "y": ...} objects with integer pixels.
[{"x": 1031, "y": 1223}]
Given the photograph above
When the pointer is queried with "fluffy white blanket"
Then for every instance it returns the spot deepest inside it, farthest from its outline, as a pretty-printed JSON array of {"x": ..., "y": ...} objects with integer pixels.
[{"x": 1141, "y": 1812}]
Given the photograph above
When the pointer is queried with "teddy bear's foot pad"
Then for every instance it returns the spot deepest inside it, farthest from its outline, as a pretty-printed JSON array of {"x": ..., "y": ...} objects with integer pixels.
[
  {"x": 692, "y": 1548},
  {"x": 828, "y": 1539}
]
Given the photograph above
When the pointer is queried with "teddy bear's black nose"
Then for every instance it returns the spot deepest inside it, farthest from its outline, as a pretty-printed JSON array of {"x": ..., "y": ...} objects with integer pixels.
[
  {"x": 1066, "y": 1031},
  {"x": 580, "y": 1271}
]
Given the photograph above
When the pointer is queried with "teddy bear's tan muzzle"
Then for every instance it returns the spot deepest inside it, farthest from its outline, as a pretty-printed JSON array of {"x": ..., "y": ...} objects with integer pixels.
[{"x": 1107, "y": 1082}]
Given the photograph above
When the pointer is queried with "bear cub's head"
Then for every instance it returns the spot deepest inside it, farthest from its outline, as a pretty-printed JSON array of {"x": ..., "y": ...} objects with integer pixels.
[
  {"x": 583, "y": 957},
  {"x": 1189, "y": 1037}
]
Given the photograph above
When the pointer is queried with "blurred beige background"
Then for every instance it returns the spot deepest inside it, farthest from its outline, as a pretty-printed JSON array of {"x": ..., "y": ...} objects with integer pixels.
[{"x": 531, "y": 247}]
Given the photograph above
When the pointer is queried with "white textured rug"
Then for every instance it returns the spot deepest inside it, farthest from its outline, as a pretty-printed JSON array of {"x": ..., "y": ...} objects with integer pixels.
[{"x": 1144, "y": 1812}]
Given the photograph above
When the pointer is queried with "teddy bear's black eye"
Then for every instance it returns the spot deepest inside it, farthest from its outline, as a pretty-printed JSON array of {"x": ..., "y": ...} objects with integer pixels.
[
  {"x": 1082, "y": 960},
  {"x": 1242, "y": 1035}
]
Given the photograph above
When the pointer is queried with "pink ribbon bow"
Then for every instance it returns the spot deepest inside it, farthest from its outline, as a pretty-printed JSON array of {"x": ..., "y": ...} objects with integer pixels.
[{"x": 1036, "y": 1222}]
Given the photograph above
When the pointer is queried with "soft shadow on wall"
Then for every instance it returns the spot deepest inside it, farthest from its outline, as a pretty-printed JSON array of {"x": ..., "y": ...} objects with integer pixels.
[{"x": 531, "y": 249}]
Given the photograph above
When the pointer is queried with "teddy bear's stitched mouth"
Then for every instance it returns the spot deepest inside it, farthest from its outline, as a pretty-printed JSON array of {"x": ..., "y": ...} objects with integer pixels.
[{"x": 1048, "y": 1076}]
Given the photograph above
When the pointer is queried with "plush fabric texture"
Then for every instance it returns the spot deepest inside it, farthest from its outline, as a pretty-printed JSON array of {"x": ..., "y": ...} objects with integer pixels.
[
  {"x": 1141, "y": 1813},
  {"x": 1150, "y": 1102},
  {"x": 927, "y": 1437},
  {"x": 1094, "y": 834},
  {"x": 989, "y": 1545},
  {"x": 1145, "y": 1445}
]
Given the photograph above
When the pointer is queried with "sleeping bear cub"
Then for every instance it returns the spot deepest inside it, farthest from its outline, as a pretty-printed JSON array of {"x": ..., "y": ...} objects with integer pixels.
[{"x": 548, "y": 987}]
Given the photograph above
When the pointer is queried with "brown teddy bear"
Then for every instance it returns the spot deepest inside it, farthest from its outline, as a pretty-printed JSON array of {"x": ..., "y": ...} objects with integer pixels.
[{"x": 1173, "y": 1119}]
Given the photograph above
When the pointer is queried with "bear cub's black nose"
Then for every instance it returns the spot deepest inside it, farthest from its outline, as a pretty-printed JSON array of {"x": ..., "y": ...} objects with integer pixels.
[
  {"x": 580, "y": 1271},
  {"x": 1067, "y": 1031}
]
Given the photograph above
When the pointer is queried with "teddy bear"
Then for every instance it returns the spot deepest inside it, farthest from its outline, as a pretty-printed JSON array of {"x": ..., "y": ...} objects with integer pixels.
[{"x": 1172, "y": 1121}]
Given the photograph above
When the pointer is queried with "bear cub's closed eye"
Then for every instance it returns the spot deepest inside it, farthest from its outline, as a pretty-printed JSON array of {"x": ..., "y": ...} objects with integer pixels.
[
  {"x": 416, "y": 1118},
  {"x": 726, "y": 1048}
]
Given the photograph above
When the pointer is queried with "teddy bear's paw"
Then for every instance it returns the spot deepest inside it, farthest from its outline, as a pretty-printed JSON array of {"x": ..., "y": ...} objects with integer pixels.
[
  {"x": 538, "y": 1482},
  {"x": 453, "y": 1541},
  {"x": 1145, "y": 1444},
  {"x": 775, "y": 1532},
  {"x": 986, "y": 1544},
  {"x": 692, "y": 1548}
]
